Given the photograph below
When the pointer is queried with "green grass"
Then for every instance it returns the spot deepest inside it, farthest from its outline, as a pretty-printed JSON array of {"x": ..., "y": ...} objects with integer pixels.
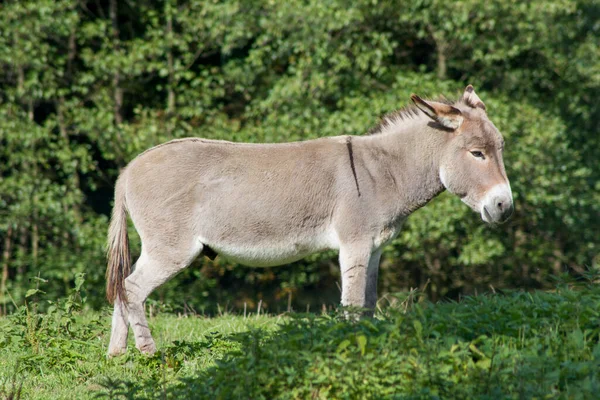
[
  {"x": 65, "y": 358},
  {"x": 513, "y": 345}
]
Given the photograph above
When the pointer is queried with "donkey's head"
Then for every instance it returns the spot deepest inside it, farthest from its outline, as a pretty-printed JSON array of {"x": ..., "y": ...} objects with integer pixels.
[{"x": 471, "y": 164}]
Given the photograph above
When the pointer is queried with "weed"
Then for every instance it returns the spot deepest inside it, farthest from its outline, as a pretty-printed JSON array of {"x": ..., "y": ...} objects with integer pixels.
[{"x": 11, "y": 389}]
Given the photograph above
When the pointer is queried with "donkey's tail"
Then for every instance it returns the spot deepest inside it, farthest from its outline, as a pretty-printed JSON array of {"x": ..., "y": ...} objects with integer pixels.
[{"x": 119, "y": 258}]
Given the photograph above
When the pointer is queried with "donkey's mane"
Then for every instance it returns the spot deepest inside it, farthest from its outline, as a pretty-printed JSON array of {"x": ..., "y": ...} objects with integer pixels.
[{"x": 407, "y": 112}]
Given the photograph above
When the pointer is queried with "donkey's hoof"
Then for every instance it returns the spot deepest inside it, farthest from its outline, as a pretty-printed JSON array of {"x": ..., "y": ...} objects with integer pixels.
[
  {"x": 117, "y": 351},
  {"x": 148, "y": 348}
]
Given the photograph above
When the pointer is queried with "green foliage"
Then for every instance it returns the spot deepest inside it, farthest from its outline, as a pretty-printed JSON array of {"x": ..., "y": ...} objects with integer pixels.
[
  {"x": 54, "y": 338},
  {"x": 57, "y": 349},
  {"x": 85, "y": 87},
  {"x": 508, "y": 345},
  {"x": 519, "y": 345}
]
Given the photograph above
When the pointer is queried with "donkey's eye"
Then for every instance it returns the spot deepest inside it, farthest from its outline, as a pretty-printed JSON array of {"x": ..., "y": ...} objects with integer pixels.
[{"x": 478, "y": 154}]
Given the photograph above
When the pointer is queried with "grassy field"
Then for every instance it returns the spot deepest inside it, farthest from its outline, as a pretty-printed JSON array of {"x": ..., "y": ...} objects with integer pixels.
[{"x": 511, "y": 345}]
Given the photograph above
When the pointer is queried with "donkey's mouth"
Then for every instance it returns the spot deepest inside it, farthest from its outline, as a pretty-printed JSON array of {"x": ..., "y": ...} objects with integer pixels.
[{"x": 487, "y": 217}]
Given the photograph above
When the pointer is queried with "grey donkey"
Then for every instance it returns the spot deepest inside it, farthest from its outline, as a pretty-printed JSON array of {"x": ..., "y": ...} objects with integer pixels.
[{"x": 272, "y": 204}]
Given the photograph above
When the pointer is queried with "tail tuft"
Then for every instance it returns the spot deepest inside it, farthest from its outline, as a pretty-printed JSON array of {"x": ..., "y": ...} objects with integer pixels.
[{"x": 118, "y": 254}]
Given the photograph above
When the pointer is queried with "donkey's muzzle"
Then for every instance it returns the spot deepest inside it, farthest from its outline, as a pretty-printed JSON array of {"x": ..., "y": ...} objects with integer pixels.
[
  {"x": 502, "y": 212},
  {"x": 497, "y": 206}
]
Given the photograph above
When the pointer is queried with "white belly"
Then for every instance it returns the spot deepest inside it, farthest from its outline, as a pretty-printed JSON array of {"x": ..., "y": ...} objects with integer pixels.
[{"x": 273, "y": 253}]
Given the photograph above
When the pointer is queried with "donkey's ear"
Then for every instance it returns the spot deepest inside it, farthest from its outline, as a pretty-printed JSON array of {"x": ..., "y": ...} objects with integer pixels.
[
  {"x": 470, "y": 98},
  {"x": 448, "y": 116}
]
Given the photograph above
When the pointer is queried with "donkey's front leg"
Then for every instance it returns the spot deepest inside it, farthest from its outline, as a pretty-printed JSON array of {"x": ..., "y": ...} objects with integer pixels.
[
  {"x": 372, "y": 274},
  {"x": 354, "y": 264}
]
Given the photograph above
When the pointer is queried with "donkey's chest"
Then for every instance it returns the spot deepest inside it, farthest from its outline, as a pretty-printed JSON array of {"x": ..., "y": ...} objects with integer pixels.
[{"x": 387, "y": 232}]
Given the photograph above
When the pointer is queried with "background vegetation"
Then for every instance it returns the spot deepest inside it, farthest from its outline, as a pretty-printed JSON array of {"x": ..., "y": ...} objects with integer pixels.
[{"x": 87, "y": 85}]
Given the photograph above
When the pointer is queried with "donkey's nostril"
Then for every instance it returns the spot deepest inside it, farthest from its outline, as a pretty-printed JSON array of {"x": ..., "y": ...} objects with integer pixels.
[{"x": 499, "y": 205}]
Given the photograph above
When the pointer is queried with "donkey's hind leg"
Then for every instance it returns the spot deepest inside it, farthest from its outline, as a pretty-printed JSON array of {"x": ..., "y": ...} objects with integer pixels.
[
  {"x": 120, "y": 328},
  {"x": 153, "y": 268}
]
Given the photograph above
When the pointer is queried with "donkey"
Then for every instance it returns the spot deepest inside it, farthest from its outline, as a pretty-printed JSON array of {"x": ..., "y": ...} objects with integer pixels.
[{"x": 272, "y": 204}]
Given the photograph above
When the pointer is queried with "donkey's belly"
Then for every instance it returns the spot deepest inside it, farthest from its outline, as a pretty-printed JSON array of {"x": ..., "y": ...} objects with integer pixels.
[{"x": 270, "y": 254}]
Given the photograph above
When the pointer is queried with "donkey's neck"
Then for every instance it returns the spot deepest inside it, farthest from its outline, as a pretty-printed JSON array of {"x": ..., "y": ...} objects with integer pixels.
[{"x": 411, "y": 153}]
